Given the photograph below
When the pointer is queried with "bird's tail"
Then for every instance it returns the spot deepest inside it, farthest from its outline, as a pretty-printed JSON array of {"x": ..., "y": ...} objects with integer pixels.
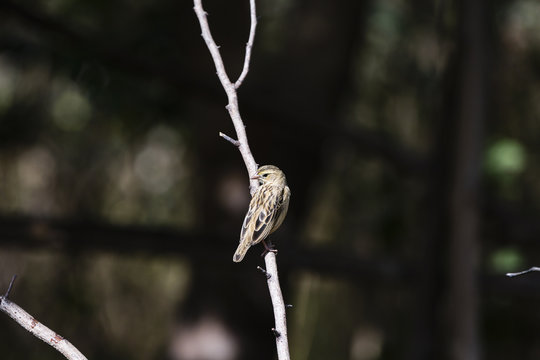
[{"x": 241, "y": 250}]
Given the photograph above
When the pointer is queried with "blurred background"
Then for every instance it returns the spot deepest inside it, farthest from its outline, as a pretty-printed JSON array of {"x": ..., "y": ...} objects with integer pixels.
[{"x": 408, "y": 131}]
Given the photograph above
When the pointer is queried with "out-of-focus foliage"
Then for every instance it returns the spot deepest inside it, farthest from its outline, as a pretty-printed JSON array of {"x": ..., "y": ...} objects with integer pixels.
[{"x": 505, "y": 157}]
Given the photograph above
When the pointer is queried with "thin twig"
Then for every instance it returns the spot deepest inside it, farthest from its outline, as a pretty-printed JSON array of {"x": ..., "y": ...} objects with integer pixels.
[
  {"x": 249, "y": 45},
  {"x": 270, "y": 259},
  {"x": 230, "y": 139},
  {"x": 534, "y": 268},
  {"x": 38, "y": 329},
  {"x": 6, "y": 295}
]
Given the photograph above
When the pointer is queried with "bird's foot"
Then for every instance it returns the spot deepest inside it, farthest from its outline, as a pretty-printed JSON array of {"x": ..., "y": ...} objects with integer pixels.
[{"x": 268, "y": 248}]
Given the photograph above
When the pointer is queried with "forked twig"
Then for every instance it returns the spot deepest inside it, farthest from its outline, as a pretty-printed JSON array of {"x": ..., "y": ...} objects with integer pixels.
[{"x": 230, "y": 90}]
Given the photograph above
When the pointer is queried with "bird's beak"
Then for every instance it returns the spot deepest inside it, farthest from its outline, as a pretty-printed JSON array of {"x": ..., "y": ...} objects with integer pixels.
[{"x": 256, "y": 177}]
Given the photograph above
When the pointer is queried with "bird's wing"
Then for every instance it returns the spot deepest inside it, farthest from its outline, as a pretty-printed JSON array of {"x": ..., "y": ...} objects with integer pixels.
[
  {"x": 267, "y": 208},
  {"x": 264, "y": 213},
  {"x": 246, "y": 233},
  {"x": 282, "y": 209}
]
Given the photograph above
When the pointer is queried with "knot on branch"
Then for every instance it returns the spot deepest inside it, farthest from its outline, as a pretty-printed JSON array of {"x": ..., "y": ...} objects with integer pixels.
[{"x": 266, "y": 273}]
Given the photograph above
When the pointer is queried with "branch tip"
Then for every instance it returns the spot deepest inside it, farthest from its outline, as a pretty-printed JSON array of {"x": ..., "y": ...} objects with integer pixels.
[
  {"x": 230, "y": 139},
  {"x": 6, "y": 295},
  {"x": 534, "y": 268},
  {"x": 288, "y": 306}
]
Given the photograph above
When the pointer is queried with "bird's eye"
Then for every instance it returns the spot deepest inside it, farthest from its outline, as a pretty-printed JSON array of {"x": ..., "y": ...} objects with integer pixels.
[{"x": 265, "y": 175}]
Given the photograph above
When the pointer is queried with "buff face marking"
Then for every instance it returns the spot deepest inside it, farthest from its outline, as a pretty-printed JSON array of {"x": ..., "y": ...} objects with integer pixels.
[{"x": 267, "y": 209}]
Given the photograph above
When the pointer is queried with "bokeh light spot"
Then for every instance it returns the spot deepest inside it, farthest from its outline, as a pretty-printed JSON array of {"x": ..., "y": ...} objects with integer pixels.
[
  {"x": 71, "y": 110},
  {"x": 506, "y": 156},
  {"x": 506, "y": 260}
]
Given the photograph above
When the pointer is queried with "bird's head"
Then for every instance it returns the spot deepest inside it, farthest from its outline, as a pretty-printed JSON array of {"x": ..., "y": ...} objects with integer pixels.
[{"x": 270, "y": 174}]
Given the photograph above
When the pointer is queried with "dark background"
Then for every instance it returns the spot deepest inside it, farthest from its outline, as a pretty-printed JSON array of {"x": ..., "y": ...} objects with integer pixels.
[{"x": 408, "y": 131}]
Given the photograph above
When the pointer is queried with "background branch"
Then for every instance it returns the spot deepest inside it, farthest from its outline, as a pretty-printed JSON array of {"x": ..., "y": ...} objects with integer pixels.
[
  {"x": 72, "y": 237},
  {"x": 534, "y": 268}
]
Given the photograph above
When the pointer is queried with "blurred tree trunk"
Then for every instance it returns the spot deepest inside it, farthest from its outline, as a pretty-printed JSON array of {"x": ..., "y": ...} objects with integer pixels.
[
  {"x": 449, "y": 279},
  {"x": 464, "y": 218}
]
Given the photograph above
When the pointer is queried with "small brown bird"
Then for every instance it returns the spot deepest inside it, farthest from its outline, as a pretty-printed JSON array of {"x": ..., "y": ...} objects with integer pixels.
[{"x": 267, "y": 209}]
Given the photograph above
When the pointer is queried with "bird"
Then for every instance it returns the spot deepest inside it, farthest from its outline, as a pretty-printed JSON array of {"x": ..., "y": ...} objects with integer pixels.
[{"x": 267, "y": 209}]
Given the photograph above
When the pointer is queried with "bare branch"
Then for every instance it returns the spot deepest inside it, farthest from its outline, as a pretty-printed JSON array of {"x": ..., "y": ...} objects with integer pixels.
[
  {"x": 270, "y": 259},
  {"x": 249, "y": 44},
  {"x": 38, "y": 329},
  {"x": 534, "y": 268}
]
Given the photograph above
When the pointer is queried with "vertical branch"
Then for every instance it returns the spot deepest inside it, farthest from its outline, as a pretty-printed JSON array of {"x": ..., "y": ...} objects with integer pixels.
[
  {"x": 274, "y": 288},
  {"x": 282, "y": 342},
  {"x": 464, "y": 214}
]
